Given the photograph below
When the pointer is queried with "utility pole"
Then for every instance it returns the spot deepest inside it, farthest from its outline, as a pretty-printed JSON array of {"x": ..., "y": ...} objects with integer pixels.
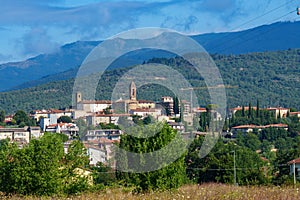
[
  {"x": 294, "y": 173},
  {"x": 234, "y": 168}
]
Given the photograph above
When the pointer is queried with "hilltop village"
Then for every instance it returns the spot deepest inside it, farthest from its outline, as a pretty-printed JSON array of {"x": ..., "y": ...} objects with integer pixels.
[{"x": 98, "y": 122}]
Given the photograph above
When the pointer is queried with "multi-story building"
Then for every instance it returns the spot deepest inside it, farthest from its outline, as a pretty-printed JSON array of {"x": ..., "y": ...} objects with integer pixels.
[
  {"x": 69, "y": 129},
  {"x": 20, "y": 135},
  {"x": 111, "y": 134},
  {"x": 168, "y": 103}
]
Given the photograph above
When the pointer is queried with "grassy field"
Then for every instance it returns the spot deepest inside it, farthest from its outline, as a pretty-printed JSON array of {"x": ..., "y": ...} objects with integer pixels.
[{"x": 205, "y": 192}]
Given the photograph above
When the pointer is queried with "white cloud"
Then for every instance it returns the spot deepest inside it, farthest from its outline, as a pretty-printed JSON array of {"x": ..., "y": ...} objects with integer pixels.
[
  {"x": 99, "y": 19},
  {"x": 36, "y": 41}
]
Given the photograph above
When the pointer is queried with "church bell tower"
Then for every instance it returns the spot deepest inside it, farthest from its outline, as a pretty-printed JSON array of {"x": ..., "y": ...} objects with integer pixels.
[{"x": 132, "y": 91}]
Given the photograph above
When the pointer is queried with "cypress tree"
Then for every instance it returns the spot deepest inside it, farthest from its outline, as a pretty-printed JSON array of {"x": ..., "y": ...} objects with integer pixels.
[
  {"x": 176, "y": 106},
  {"x": 250, "y": 114},
  {"x": 243, "y": 111},
  {"x": 257, "y": 108}
]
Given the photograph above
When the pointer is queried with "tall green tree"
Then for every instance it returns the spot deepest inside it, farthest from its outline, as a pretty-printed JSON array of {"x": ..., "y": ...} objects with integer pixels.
[
  {"x": 42, "y": 167},
  {"x": 257, "y": 108},
  {"x": 250, "y": 111},
  {"x": 23, "y": 119},
  {"x": 46, "y": 156},
  {"x": 64, "y": 119},
  {"x": 243, "y": 111},
  {"x": 2, "y": 116},
  {"x": 75, "y": 161},
  {"x": 218, "y": 165},
  {"x": 166, "y": 176},
  {"x": 176, "y": 106},
  {"x": 33, "y": 169}
]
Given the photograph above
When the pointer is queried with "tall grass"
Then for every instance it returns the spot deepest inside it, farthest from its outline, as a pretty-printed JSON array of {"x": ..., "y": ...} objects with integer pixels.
[{"x": 199, "y": 192}]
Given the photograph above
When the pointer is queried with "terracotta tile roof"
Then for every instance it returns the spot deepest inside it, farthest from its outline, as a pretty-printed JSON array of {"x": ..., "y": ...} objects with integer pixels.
[
  {"x": 294, "y": 113},
  {"x": 296, "y": 161},
  {"x": 145, "y": 101},
  {"x": 277, "y": 126},
  {"x": 62, "y": 124},
  {"x": 51, "y": 111},
  {"x": 104, "y": 140},
  {"x": 246, "y": 126},
  {"x": 277, "y": 108},
  {"x": 87, "y": 146},
  {"x": 91, "y": 142},
  {"x": 261, "y": 127},
  {"x": 201, "y": 109},
  {"x": 112, "y": 115}
]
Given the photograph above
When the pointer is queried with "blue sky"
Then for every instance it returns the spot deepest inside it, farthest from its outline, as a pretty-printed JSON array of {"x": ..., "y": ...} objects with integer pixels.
[{"x": 32, "y": 27}]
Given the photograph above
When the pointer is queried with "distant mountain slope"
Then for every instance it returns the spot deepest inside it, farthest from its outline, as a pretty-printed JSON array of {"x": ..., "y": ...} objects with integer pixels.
[
  {"x": 277, "y": 36},
  {"x": 68, "y": 57},
  {"x": 271, "y": 77}
]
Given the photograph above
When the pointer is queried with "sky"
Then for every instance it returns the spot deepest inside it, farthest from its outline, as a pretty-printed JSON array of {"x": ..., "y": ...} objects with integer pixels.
[{"x": 32, "y": 27}]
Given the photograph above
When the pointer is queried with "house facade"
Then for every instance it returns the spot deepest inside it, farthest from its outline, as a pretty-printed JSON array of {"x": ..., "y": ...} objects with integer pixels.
[
  {"x": 96, "y": 119},
  {"x": 69, "y": 129},
  {"x": 20, "y": 135},
  {"x": 144, "y": 112},
  {"x": 111, "y": 134}
]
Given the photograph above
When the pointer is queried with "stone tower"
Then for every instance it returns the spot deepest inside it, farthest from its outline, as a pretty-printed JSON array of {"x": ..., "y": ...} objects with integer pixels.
[
  {"x": 78, "y": 97},
  {"x": 132, "y": 91},
  {"x": 132, "y": 103}
]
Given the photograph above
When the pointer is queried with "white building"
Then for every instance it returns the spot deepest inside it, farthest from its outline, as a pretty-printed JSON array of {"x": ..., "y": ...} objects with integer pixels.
[
  {"x": 144, "y": 112},
  {"x": 111, "y": 134},
  {"x": 20, "y": 135},
  {"x": 93, "y": 106},
  {"x": 96, "y": 154},
  {"x": 96, "y": 119},
  {"x": 51, "y": 113},
  {"x": 69, "y": 129}
]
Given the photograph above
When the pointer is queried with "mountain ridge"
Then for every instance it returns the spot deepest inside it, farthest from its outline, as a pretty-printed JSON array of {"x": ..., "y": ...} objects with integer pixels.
[{"x": 277, "y": 36}]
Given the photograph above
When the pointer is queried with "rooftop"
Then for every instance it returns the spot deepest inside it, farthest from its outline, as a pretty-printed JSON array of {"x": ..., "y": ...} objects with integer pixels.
[
  {"x": 296, "y": 161},
  {"x": 260, "y": 127}
]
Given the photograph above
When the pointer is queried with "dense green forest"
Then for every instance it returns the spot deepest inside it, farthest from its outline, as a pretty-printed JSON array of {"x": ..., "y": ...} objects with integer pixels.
[{"x": 270, "y": 77}]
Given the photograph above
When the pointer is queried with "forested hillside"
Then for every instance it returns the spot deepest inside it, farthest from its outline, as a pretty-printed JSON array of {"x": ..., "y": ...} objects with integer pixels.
[{"x": 271, "y": 77}]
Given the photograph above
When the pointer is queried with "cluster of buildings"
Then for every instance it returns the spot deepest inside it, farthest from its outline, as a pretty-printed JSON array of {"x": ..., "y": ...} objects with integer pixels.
[{"x": 99, "y": 142}]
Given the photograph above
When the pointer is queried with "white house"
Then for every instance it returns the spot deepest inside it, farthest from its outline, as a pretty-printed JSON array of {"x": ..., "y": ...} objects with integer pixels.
[
  {"x": 50, "y": 113},
  {"x": 20, "y": 135},
  {"x": 96, "y": 154},
  {"x": 96, "y": 119},
  {"x": 101, "y": 151},
  {"x": 144, "y": 112},
  {"x": 112, "y": 134},
  {"x": 177, "y": 126},
  {"x": 94, "y": 106},
  {"x": 69, "y": 129}
]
